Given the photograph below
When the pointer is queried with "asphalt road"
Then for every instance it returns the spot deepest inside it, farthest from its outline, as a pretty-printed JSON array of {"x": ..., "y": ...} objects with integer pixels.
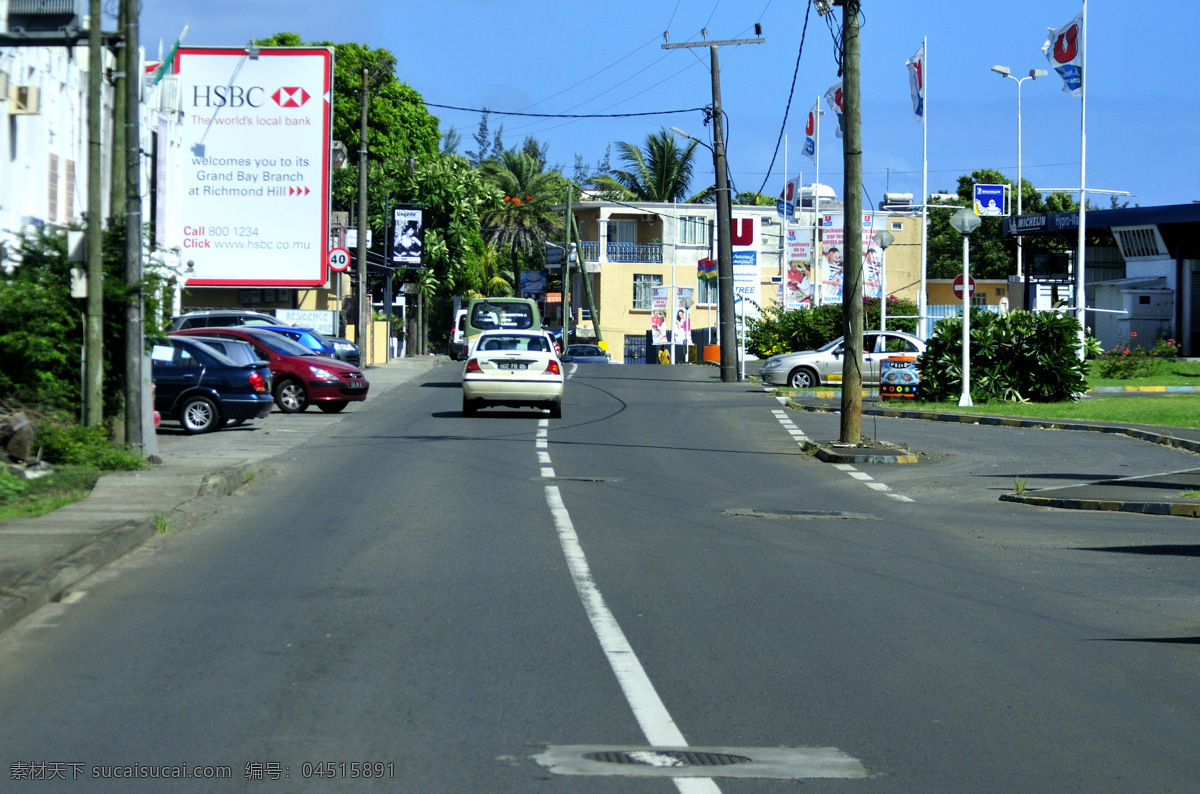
[{"x": 449, "y": 597}]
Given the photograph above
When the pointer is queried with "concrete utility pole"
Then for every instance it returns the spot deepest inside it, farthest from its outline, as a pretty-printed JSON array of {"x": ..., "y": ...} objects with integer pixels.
[
  {"x": 364, "y": 306},
  {"x": 116, "y": 187},
  {"x": 134, "y": 325},
  {"x": 94, "y": 338},
  {"x": 566, "y": 275},
  {"x": 852, "y": 290},
  {"x": 725, "y": 312}
]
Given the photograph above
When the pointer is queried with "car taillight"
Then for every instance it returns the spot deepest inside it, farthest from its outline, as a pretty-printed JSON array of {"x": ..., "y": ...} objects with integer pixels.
[
  {"x": 473, "y": 366},
  {"x": 258, "y": 382},
  {"x": 552, "y": 368}
]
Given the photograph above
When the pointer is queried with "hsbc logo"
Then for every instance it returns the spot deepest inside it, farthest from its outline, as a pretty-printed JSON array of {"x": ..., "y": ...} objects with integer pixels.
[
  {"x": 235, "y": 96},
  {"x": 290, "y": 97}
]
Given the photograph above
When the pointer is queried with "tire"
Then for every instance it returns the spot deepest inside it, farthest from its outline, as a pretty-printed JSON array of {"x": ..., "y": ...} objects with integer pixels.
[
  {"x": 803, "y": 378},
  {"x": 199, "y": 415},
  {"x": 291, "y": 396},
  {"x": 469, "y": 408},
  {"x": 556, "y": 410},
  {"x": 332, "y": 406}
]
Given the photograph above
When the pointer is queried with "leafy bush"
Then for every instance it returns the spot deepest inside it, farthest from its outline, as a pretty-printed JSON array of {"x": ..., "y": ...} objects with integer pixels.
[
  {"x": 1124, "y": 361},
  {"x": 67, "y": 443},
  {"x": 783, "y": 331},
  {"x": 11, "y": 486},
  {"x": 1015, "y": 357}
]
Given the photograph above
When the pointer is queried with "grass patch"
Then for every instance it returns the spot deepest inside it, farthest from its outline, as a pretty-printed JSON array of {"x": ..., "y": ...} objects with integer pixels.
[
  {"x": 1171, "y": 410},
  {"x": 161, "y": 525},
  {"x": 65, "y": 485},
  {"x": 1171, "y": 373}
]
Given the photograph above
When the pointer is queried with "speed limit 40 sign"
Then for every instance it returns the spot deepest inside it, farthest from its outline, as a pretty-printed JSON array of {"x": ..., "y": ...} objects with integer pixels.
[{"x": 339, "y": 260}]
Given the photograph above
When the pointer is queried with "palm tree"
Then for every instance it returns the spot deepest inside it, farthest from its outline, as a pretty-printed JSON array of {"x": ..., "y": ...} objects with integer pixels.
[
  {"x": 494, "y": 280},
  {"x": 662, "y": 172},
  {"x": 526, "y": 217}
]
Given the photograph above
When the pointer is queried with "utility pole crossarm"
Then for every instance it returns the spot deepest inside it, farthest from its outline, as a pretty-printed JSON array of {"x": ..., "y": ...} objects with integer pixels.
[{"x": 713, "y": 43}]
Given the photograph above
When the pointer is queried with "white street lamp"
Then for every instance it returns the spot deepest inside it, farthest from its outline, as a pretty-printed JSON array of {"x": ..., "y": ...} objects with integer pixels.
[
  {"x": 883, "y": 238},
  {"x": 966, "y": 221},
  {"x": 1034, "y": 74}
]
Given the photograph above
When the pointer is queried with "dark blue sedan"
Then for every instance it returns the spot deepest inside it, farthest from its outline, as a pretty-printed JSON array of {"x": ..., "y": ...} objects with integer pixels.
[
  {"x": 204, "y": 389},
  {"x": 585, "y": 354}
]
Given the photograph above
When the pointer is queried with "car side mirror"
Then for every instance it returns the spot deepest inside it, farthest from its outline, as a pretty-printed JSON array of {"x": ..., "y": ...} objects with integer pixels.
[
  {"x": 838, "y": 351},
  {"x": 565, "y": 358}
]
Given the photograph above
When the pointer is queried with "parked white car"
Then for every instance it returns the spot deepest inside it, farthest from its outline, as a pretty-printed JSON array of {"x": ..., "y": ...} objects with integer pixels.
[
  {"x": 808, "y": 368},
  {"x": 515, "y": 369}
]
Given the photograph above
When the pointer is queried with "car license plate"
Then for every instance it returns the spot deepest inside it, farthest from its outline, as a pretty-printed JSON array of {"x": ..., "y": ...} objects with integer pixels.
[
  {"x": 355, "y": 384},
  {"x": 512, "y": 365}
]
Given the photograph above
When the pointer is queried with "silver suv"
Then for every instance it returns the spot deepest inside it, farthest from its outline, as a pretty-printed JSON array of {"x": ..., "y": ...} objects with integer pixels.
[{"x": 221, "y": 318}]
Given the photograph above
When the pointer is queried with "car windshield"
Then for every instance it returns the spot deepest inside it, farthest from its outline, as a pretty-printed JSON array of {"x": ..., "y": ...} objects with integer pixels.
[
  {"x": 502, "y": 315},
  {"x": 538, "y": 344},
  {"x": 282, "y": 345},
  {"x": 830, "y": 345},
  {"x": 584, "y": 350}
]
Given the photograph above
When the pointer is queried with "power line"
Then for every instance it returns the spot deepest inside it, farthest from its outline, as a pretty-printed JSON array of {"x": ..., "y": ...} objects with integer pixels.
[
  {"x": 791, "y": 92},
  {"x": 563, "y": 115}
]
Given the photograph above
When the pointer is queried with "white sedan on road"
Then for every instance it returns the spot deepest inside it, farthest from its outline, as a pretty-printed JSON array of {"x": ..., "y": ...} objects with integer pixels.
[{"x": 515, "y": 369}]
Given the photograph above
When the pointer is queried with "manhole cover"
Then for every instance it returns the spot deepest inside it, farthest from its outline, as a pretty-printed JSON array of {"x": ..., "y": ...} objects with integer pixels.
[
  {"x": 774, "y": 763},
  {"x": 666, "y": 758},
  {"x": 794, "y": 515}
]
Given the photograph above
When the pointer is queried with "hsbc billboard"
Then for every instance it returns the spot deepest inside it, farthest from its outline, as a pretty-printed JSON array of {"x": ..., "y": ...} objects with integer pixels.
[{"x": 256, "y": 138}]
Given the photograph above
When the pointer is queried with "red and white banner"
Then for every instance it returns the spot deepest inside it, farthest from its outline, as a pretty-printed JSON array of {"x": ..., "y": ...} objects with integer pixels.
[
  {"x": 1064, "y": 50},
  {"x": 916, "y": 82},
  {"x": 834, "y": 97},
  {"x": 810, "y": 131}
]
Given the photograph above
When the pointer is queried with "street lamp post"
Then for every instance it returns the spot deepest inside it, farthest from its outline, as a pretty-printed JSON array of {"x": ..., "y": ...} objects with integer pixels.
[
  {"x": 883, "y": 238},
  {"x": 1034, "y": 74},
  {"x": 966, "y": 221},
  {"x": 725, "y": 309}
]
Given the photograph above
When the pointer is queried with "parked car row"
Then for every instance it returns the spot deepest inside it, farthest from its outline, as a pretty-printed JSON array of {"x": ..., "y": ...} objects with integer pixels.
[{"x": 224, "y": 368}]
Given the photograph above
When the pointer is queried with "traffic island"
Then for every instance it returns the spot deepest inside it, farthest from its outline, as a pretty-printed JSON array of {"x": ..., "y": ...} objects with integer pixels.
[{"x": 866, "y": 452}]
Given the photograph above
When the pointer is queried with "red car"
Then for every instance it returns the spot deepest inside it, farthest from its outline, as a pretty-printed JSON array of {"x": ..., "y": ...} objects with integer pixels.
[{"x": 301, "y": 377}]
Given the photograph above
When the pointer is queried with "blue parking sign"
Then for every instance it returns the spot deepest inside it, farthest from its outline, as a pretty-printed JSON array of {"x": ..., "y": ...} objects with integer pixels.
[{"x": 989, "y": 200}]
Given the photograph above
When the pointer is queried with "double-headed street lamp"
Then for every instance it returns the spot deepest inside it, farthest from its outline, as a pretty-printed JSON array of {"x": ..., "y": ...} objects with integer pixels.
[
  {"x": 966, "y": 221},
  {"x": 1034, "y": 74}
]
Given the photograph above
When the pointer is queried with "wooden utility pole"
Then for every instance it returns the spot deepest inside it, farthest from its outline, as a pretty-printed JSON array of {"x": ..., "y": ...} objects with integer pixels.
[
  {"x": 116, "y": 189},
  {"x": 132, "y": 182},
  {"x": 364, "y": 306},
  {"x": 94, "y": 337},
  {"x": 726, "y": 317},
  {"x": 852, "y": 290}
]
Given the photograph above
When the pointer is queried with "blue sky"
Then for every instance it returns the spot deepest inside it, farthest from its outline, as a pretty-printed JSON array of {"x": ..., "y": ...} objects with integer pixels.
[{"x": 1143, "y": 107}]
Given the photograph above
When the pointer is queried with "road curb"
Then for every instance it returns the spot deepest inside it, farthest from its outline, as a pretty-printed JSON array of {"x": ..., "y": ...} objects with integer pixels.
[
  {"x": 835, "y": 455},
  {"x": 1182, "y": 510}
]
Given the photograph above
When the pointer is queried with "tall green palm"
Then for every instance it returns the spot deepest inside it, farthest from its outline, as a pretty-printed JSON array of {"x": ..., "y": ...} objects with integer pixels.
[
  {"x": 661, "y": 172},
  {"x": 526, "y": 216}
]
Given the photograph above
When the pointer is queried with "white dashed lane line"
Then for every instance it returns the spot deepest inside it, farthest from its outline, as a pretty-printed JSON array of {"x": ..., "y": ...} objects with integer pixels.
[{"x": 785, "y": 419}]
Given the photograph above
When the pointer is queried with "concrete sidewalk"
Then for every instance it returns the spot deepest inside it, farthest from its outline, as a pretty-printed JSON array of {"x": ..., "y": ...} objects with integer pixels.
[{"x": 41, "y": 557}]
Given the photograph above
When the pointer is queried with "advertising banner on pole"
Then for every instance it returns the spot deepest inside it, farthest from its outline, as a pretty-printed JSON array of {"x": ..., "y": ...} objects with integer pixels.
[
  {"x": 799, "y": 283},
  {"x": 255, "y": 183},
  {"x": 832, "y": 264},
  {"x": 408, "y": 236}
]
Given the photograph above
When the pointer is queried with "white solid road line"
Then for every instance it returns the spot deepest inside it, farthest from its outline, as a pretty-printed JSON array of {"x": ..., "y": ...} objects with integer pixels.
[{"x": 648, "y": 709}]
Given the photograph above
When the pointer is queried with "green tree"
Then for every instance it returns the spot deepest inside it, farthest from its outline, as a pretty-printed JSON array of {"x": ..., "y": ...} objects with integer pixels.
[
  {"x": 526, "y": 216},
  {"x": 660, "y": 172},
  {"x": 993, "y": 254}
]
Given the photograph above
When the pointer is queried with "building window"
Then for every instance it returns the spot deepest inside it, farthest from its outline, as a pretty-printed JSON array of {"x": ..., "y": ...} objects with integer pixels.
[
  {"x": 643, "y": 290},
  {"x": 706, "y": 291},
  {"x": 69, "y": 191},
  {"x": 897, "y": 226},
  {"x": 622, "y": 231},
  {"x": 52, "y": 194},
  {"x": 693, "y": 230}
]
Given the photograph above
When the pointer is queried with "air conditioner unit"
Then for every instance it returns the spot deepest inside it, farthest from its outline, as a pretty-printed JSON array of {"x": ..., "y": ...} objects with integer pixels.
[
  {"x": 24, "y": 100},
  {"x": 168, "y": 94},
  {"x": 44, "y": 15}
]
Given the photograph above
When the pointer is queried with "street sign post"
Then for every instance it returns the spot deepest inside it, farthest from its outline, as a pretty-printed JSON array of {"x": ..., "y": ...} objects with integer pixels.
[{"x": 339, "y": 260}]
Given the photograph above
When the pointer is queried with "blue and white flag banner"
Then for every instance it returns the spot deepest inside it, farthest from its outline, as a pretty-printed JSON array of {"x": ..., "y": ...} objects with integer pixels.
[
  {"x": 810, "y": 131},
  {"x": 1064, "y": 50},
  {"x": 834, "y": 98},
  {"x": 916, "y": 82}
]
